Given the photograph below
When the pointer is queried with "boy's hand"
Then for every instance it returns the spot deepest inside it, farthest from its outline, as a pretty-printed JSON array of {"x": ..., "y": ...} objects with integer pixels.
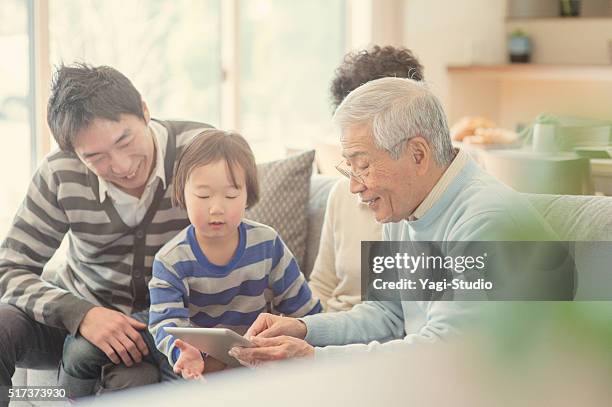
[{"x": 190, "y": 363}]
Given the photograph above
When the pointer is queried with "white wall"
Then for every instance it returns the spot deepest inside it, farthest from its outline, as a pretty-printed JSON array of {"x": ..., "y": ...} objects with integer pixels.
[
  {"x": 474, "y": 32},
  {"x": 452, "y": 32},
  {"x": 374, "y": 22},
  {"x": 586, "y": 41}
]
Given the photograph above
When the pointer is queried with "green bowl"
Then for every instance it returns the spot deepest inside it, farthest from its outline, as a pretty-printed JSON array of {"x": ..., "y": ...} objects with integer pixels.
[{"x": 594, "y": 151}]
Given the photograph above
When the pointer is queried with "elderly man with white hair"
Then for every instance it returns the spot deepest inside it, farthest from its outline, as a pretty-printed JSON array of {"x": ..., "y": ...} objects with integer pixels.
[{"x": 399, "y": 157}]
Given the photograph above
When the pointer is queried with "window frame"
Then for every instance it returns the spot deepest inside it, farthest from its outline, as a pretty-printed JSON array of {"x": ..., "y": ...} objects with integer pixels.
[
  {"x": 369, "y": 17},
  {"x": 40, "y": 78}
]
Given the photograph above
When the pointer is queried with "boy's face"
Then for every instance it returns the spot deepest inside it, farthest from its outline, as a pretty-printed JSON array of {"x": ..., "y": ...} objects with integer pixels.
[
  {"x": 121, "y": 152},
  {"x": 214, "y": 205}
]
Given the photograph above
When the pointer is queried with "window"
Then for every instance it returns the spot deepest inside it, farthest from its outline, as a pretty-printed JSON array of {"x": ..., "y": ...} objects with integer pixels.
[
  {"x": 288, "y": 53},
  {"x": 169, "y": 49},
  {"x": 15, "y": 108},
  {"x": 273, "y": 89}
]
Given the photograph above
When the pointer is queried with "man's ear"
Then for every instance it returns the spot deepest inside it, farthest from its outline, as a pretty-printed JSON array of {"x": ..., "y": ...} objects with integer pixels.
[
  {"x": 145, "y": 112},
  {"x": 420, "y": 152}
]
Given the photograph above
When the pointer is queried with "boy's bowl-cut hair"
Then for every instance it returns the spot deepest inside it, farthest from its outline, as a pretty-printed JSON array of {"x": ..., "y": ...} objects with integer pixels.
[{"x": 210, "y": 146}]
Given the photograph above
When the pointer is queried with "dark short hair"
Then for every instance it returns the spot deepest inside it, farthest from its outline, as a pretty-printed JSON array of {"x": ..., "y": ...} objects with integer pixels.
[
  {"x": 210, "y": 146},
  {"x": 81, "y": 93},
  {"x": 364, "y": 66}
]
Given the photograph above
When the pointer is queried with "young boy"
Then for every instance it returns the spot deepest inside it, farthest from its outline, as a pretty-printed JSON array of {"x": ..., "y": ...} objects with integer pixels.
[{"x": 222, "y": 270}]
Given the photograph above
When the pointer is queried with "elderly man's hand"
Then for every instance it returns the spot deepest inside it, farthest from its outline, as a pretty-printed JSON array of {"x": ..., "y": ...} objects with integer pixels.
[
  {"x": 270, "y": 349},
  {"x": 269, "y": 326}
]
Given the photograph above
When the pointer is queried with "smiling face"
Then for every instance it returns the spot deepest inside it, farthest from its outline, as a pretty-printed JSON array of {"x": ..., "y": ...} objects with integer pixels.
[
  {"x": 215, "y": 205},
  {"x": 121, "y": 152},
  {"x": 393, "y": 189}
]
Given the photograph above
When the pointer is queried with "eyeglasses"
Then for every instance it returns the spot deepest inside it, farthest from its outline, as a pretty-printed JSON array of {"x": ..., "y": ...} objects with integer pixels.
[{"x": 346, "y": 171}]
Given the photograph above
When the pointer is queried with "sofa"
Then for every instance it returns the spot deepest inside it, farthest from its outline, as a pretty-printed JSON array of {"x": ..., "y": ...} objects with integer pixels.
[{"x": 586, "y": 219}]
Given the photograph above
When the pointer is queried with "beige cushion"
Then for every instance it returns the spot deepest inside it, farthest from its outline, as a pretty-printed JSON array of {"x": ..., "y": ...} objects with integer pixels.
[
  {"x": 284, "y": 191},
  {"x": 576, "y": 218},
  {"x": 320, "y": 187},
  {"x": 586, "y": 221}
]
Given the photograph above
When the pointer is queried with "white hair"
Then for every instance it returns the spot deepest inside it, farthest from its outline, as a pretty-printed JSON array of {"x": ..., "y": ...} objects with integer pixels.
[{"x": 398, "y": 109}]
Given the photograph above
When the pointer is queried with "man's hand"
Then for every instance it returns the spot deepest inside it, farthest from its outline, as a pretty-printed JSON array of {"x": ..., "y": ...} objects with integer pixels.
[
  {"x": 270, "y": 349},
  {"x": 190, "y": 364},
  {"x": 269, "y": 326},
  {"x": 115, "y": 334}
]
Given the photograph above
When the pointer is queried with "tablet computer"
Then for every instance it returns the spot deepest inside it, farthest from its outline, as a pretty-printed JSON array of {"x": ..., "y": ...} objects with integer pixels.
[{"x": 214, "y": 341}]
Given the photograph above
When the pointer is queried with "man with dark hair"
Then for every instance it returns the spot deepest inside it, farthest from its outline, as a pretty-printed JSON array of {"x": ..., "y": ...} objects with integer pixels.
[{"x": 108, "y": 189}]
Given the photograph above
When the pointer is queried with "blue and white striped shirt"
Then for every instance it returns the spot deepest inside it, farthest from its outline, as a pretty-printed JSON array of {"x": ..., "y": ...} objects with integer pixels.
[{"x": 188, "y": 290}]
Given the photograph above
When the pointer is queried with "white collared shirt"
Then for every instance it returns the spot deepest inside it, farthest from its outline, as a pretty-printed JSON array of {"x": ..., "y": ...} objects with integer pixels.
[
  {"x": 447, "y": 178},
  {"x": 131, "y": 209}
]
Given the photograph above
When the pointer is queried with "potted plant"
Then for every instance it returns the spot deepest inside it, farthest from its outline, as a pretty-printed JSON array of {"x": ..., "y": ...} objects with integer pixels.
[
  {"x": 569, "y": 8},
  {"x": 519, "y": 47}
]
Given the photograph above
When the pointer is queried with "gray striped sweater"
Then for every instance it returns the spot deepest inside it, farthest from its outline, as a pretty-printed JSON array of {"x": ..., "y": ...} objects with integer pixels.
[{"x": 108, "y": 263}]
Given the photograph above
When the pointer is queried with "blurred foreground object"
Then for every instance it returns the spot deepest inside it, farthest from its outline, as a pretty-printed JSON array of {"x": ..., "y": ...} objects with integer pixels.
[{"x": 529, "y": 354}]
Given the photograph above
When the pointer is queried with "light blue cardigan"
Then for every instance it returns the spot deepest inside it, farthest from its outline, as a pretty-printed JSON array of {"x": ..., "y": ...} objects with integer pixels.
[{"x": 474, "y": 207}]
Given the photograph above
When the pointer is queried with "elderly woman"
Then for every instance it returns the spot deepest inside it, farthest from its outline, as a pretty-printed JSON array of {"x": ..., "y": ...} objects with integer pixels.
[
  {"x": 335, "y": 278},
  {"x": 396, "y": 143}
]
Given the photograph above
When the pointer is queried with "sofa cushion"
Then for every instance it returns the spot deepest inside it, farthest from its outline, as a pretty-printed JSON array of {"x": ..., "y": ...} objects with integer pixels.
[
  {"x": 320, "y": 187},
  {"x": 586, "y": 221},
  {"x": 284, "y": 191},
  {"x": 576, "y": 218}
]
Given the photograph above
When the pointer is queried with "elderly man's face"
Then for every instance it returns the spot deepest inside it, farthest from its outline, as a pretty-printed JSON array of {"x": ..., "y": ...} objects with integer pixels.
[{"x": 391, "y": 188}]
